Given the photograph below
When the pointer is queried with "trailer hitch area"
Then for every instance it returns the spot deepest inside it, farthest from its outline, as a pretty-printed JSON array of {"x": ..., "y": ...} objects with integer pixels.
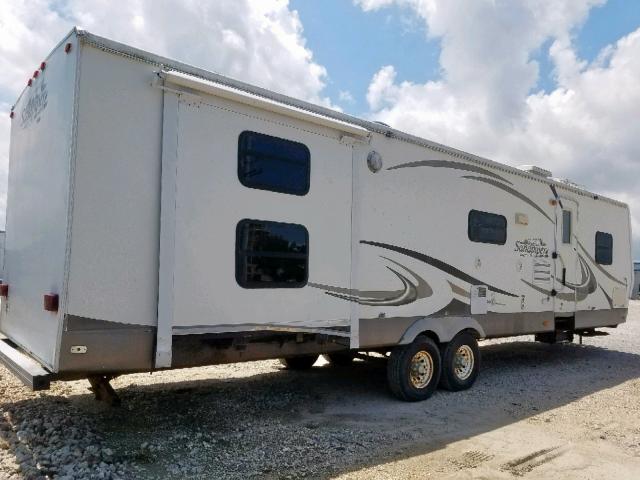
[{"x": 103, "y": 390}]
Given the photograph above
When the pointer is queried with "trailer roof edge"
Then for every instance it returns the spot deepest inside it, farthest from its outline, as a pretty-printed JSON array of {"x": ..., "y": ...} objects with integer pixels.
[{"x": 163, "y": 62}]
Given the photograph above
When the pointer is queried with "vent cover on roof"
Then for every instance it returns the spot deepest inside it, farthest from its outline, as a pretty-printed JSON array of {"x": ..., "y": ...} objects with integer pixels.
[{"x": 535, "y": 170}]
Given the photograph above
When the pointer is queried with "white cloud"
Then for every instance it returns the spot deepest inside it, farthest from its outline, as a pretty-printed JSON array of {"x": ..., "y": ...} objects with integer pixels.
[
  {"x": 586, "y": 129},
  {"x": 368, "y": 5},
  {"x": 262, "y": 42},
  {"x": 258, "y": 42},
  {"x": 346, "y": 96}
]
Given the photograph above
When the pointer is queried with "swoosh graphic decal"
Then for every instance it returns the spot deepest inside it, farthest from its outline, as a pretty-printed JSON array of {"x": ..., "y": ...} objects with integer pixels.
[
  {"x": 459, "y": 290},
  {"x": 423, "y": 288},
  {"x": 439, "y": 264},
  {"x": 591, "y": 286},
  {"x": 449, "y": 164},
  {"x": 580, "y": 292},
  {"x": 455, "y": 307},
  {"x": 567, "y": 297},
  {"x": 584, "y": 274},
  {"x": 408, "y": 294},
  {"x": 609, "y": 299},
  {"x": 597, "y": 265},
  {"x": 510, "y": 191}
]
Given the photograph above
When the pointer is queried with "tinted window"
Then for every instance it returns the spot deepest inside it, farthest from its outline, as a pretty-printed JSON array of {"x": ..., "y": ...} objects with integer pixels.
[
  {"x": 566, "y": 226},
  {"x": 271, "y": 163},
  {"x": 271, "y": 254},
  {"x": 487, "y": 227},
  {"x": 604, "y": 248}
]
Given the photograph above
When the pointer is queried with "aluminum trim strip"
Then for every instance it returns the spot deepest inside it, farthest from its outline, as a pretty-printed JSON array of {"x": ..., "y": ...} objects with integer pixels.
[{"x": 254, "y": 327}]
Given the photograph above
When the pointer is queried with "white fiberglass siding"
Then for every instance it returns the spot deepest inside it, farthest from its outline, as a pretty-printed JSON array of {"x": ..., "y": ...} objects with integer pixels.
[{"x": 116, "y": 213}]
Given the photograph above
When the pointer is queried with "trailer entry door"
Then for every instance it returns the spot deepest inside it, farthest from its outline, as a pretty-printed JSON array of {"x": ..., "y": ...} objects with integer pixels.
[{"x": 567, "y": 282}]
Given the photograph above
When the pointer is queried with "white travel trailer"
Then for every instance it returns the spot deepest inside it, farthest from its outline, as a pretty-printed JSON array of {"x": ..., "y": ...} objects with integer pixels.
[{"x": 161, "y": 216}]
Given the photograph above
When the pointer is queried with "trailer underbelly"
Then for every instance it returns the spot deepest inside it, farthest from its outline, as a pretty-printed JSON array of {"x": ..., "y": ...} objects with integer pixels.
[{"x": 110, "y": 347}]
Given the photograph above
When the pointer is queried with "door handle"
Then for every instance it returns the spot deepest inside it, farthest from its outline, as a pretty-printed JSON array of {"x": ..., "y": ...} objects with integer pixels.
[{"x": 564, "y": 276}]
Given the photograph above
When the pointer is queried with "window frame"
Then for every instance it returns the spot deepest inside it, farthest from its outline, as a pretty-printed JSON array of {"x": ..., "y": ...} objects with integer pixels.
[
  {"x": 597, "y": 257},
  {"x": 490, "y": 242},
  {"x": 241, "y": 255},
  {"x": 262, "y": 186}
]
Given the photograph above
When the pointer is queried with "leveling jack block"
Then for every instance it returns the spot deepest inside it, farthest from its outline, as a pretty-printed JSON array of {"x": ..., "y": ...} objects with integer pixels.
[{"x": 103, "y": 390}]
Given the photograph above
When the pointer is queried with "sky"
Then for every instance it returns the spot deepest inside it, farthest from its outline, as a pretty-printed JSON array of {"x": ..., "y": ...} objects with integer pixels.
[{"x": 546, "y": 82}]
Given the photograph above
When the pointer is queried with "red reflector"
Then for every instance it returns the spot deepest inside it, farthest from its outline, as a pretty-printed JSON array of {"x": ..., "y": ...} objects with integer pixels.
[
  {"x": 4, "y": 287},
  {"x": 67, "y": 48},
  {"x": 43, "y": 65},
  {"x": 51, "y": 302},
  {"x": 30, "y": 82},
  {"x": 35, "y": 74}
]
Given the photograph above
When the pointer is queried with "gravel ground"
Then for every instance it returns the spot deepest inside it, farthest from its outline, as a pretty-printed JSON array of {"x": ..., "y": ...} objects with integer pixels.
[{"x": 568, "y": 411}]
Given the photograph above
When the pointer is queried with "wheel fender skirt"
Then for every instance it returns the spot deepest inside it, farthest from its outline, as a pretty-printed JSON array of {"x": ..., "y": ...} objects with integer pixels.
[{"x": 444, "y": 327}]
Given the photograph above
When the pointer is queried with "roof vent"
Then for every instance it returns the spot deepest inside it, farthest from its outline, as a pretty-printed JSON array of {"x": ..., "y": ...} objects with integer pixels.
[{"x": 535, "y": 170}]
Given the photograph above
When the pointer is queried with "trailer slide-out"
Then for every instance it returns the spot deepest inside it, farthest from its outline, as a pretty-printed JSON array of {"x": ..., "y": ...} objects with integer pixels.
[{"x": 162, "y": 216}]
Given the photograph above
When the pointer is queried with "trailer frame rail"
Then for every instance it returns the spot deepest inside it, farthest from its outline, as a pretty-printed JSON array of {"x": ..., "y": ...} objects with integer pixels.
[{"x": 25, "y": 368}]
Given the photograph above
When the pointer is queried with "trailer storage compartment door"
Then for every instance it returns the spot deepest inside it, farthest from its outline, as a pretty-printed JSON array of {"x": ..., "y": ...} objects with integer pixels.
[{"x": 256, "y": 212}]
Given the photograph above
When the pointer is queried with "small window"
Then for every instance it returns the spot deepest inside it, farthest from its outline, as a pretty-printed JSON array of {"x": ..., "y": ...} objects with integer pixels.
[
  {"x": 487, "y": 227},
  {"x": 566, "y": 226},
  {"x": 271, "y": 254},
  {"x": 274, "y": 164},
  {"x": 604, "y": 248}
]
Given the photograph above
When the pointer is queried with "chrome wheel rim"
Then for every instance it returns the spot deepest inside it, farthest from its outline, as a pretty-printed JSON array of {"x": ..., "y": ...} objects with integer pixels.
[
  {"x": 463, "y": 362},
  {"x": 421, "y": 369}
]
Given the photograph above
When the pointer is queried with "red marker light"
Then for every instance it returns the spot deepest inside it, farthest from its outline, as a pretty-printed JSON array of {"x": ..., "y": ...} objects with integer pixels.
[
  {"x": 67, "y": 48},
  {"x": 4, "y": 287},
  {"x": 11, "y": 115},
  {"x": 51, "y": 302},
  {"x": 30, "y": 82},
  {"x": 35, "y": 74},
  {"x": 43, "y": 65}
]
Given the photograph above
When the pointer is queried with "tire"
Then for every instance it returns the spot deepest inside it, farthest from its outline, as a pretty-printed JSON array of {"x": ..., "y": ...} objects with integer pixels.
[
  {"x": 404, "y": 381},
  {"x": 340, "y": 359},
  {"x": 304, "y": 362},
  {"x": 460, "y": 362}
]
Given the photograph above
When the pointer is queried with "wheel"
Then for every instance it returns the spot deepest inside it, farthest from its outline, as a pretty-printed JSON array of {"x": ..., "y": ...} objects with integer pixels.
[
  {"x": 413, "y": 370},
  {"x": 460, "y": 362},
  {"x": 340, "y": 359},
  {"x": 303, "y": 362}
]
